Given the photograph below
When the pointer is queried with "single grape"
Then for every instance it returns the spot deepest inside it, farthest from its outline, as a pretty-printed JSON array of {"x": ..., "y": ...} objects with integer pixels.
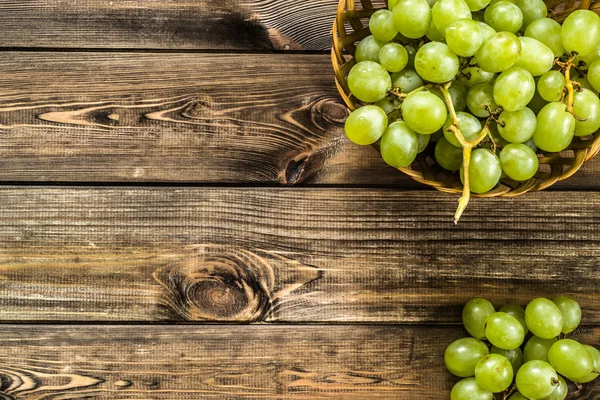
[
  {"x": 531, "y": 145},
  {"x": 519, "y": 161},
  {"x": 537, "y": 103},
  {"x": 471, "y": 76},
  {"x": 478, "y": 97},
  {"x": 462, "y": 355},
  {"x": 434, "y": 34},
  {"x": 504, "y": 16},
  {"x": 595, "y": 354},
  {"x": 458, "y": 93},
  {"x": 537, "y": 348},
  {"x": 550, "y": 85},
  {"x": 536, "y": 57},
  {"x": 536, "y": 379},
  {"x": 464, "y": 37},
  {"x": 407, "y": 80},
  {"x": 475, "y": 312},
  {"x": 532, "y": 10},
  {"x": 393, "y": 57},
  {"x": 583, "y": 82},
  {"x": 449, "y": 157},
  {"x": 593, "y": 75},
  {"x": 518, "y": 312},
  {"x": 517, "y": 126},
  {"x": 387, "y": 104},
  {"x": 587, "y": 107},
  {"x": 435, "y": 62},
  {"x": 412, "y": 18},
  {"x": 561, "y": 391},
  {"x": 581, "y": 32},
  {"x": 424, "y": 112},
  {"x": 571, "y": 359},
  {"x": 543, "y": 318},
  {"x": 514, "y": 89},
  {"x": 555, "y": 128},
  {"x": 468, "y": 389},
  {"x": 366, "y": 125},
  {"x": 469, "y": 126},
  {"x": 399, "y": 145},
  {"x": 494, "y": 373},
  {"x": 445, "y": 12},
  {"x": 485, "y": 171},
  {"x": 476, "y": 5},
  {"x": 369, "y": 81},
  {"x": 588, "y": 59},
  {"x": 515, "y": 356},
  {"x": 517, "y": 396},
  {"x": 547, "y": 31},
  {"x": 486, "y": 31},
  {"x": 504, "y": 331},
  {"x": 368, "y": 49},
  {"x": 499, "y": 52},
  {"x": 412, "y": 52},
  {"x": 382, "y": 26},
  {"x": 570, "y": 311},
  {"x": 423, "y": 142}
]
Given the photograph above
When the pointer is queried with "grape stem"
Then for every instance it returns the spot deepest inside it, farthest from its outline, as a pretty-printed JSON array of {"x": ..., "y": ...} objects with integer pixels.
[
  {"x": 467, "y": 147},
  {"x": 401, "y": 95},
  {"x": 570, "y": 85}
]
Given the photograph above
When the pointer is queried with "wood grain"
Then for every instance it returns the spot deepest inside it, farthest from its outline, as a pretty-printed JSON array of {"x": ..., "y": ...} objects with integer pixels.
[
  {"x": 173, "y": 24},
  {"x": 287, "y": 255}
]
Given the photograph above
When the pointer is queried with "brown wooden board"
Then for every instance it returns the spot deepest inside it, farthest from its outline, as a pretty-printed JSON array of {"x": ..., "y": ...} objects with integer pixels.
[
  {"x": 231, "y": 362},
  {"x": 287, "y": 255}
]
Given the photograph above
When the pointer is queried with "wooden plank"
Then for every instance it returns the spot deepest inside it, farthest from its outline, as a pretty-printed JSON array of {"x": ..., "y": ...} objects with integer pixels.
[
  {"x": 173, "y": 24},
  {"x": 287, "y": 255},
  {"x": 229, "y": 118}
]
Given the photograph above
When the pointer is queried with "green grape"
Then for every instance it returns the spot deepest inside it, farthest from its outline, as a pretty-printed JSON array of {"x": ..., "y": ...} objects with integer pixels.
[
  {"x": 476, "y": 311},
  {"x": 462, "y": 355},
  {"x": 494, "y": 373},
  {"x": 469, "y": 126},
  {"x": 531, "y": 145},
  {"x": 478, "y": 15},
  {"x": 583, "y": 82},
  {"x": 369, "y": 81},
  {"x": 547, "y": 31},
  {"x": 433, "y": 34},
  {"x": 450, "y": 158},
  {"x": 543, "y": 318},
  {"x": 504, "y": 16},
  {"x": 517, "y": 126},
  {"x": 587, "y": 107},
  {"x": 471, "y": 76},
  {"x": 514, "y": 89},
  {"x": 536, "y": 379},
  {"x": 486, "y": 31},
  {"x": 423, "y": 142},
  {"x": 532, "y": 10},
  {"x": 435, "y": 136},
  {"x": 519, "y": 161},
  {"x": 499, "y": 52},
  {"x": 411, "y": 56},
  {"x": 550, "y": 85},
  {"x": 399, "y": 145},
  {"x": 407, "y": 80},
  {"x": 382, "y": 26},
  {"x": 435, "y": 62},
  {"x": 368, "y": 49},
  {"x": 504, "y": 331},
  {"x": 515, "y": 356},
  {"x": 537, "y": 103},
  {"x": 536, "y": 57},
  {"x": 476, "y": 5},
  {"x": 593, "y": 74},
  {"x": 555, "y": 128},
  {"x": 561, "y": 391},
  {"x": 424, "y": 112},
  {"x": 412, "y": 18},
  {"x": 570, "y": 311},
  {"x": 537, "y": 348},
  {"x": 581, "y": 32},
  {"x": 464, "y": 37},
  {"x": 571, "y": 359},
  {"x": 516, "y": 311},
  {"x": 517, "y": 396},
  {"x": 588, "y": 59},
  {"x": 595, "y": 354},
  {"x": 458, "y": 93},
  {"x": 478, "y": 97},
  {"x": 445, "y": 12},
  {"x": 485, "y": 171},
  {"x": 391, "y": 4},
  {"x": 387, "y": 104},
  {"x": 468, "y": 389},
  {"x": 366, "y": 125},
  {"x": 393, "y": 57},
  {"x": 500, "y": 141}
]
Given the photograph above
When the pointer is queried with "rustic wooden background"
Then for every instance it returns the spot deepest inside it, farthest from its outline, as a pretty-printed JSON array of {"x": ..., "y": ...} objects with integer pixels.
[{"x": 175, "y": 170}]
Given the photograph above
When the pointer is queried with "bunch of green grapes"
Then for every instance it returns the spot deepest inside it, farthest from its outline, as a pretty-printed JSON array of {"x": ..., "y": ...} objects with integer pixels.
[
  {"x": 498, "y": 358},
  {"x": 501, "y": 74}
]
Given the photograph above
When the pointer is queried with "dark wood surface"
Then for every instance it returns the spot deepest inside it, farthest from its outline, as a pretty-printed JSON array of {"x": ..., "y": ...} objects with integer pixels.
[{"x": 151, "y": 246}]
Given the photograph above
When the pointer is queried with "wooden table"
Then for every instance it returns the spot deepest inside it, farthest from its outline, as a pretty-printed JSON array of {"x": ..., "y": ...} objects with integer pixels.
[{"x": 170, "y": 176}]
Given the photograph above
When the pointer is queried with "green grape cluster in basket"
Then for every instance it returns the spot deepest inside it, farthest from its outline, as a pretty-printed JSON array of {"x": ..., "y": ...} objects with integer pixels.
[
  {"x": 489, "y": 83},
  {"x": 521, "y": 353}
]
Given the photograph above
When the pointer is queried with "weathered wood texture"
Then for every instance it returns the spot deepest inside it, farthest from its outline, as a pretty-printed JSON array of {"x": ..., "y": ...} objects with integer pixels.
[
  {"x": 287, "y": 255},
  {"x": 172, "y": 24},
  {"x": 231, "y": 362},
  {"x": 228, "y": 118}
]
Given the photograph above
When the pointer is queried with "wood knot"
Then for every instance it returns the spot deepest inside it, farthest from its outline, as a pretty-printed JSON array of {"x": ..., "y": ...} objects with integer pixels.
[{"x": 333, "y": 111}]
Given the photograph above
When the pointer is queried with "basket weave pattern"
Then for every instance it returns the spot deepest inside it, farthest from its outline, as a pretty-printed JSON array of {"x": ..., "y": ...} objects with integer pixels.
[{"x": 351, "y": 26}]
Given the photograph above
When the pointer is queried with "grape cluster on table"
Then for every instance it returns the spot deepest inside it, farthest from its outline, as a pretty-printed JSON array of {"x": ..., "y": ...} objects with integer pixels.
[
  {"x": 536, "y": 368},
  {"x": 508, "y": 77}
]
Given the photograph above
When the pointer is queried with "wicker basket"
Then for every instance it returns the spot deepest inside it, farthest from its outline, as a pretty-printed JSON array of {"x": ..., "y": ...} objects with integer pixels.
[{"x": 351, "y": 26}]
